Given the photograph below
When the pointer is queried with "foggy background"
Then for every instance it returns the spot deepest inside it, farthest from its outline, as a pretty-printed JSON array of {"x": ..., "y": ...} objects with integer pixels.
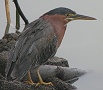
[{"x": 82, "y": 45}]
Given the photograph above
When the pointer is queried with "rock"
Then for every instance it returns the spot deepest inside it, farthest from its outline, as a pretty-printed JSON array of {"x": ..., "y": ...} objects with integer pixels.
[
  {"x": 62, "y": 73},
  {"x": 3, "y": 61},
  {"x": 57, "y": 62},
  {"x": 55, "y": 70}
]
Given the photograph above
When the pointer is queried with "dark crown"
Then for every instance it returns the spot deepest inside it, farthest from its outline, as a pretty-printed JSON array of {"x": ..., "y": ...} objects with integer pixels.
[{"x": 60, "y": 11}]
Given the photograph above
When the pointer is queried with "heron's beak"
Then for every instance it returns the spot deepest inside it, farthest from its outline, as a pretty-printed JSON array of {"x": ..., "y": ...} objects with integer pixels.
[{"x": 79, "y": 17}]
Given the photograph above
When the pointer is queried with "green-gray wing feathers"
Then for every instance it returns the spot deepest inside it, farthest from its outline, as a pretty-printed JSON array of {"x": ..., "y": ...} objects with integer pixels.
[{"x": 35, "y": 45}]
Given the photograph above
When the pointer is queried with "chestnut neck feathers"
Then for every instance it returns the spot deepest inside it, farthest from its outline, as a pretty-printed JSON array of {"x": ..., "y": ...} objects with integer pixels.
[{"x": 59, "y": 24}]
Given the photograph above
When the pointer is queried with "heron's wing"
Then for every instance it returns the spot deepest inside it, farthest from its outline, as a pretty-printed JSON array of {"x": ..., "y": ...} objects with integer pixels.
[{"x": 37, "y": 42}]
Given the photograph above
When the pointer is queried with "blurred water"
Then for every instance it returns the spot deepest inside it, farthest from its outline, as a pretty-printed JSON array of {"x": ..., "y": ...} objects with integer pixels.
[{"x": 91, "y": 81}]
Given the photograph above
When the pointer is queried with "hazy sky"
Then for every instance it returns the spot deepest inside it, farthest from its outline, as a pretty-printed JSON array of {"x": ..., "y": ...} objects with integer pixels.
[{"x": 82, "y": 45}]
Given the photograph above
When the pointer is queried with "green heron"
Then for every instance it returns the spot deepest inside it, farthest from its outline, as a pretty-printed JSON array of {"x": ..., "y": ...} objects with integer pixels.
[{"x": 38, "y": 42}]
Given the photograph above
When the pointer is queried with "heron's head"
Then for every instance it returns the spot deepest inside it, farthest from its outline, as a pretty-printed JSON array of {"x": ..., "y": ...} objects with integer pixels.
[{"x": 67, "y": 15}]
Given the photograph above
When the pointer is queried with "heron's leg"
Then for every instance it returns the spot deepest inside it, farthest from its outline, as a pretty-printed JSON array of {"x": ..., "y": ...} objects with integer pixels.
[
  {"x": 41, "y": 80},
  {"x": 29, "y": 80}
]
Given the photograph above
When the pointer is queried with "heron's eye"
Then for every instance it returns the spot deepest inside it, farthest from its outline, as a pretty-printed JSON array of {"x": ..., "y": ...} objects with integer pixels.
[
  {"x": 70, "y": 15},
  {"x": 66, "y": 15}
]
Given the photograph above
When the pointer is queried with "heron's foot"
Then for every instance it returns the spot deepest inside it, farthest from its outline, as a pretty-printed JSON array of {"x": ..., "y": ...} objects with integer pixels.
[
  {"x": 43, "y": 83},
  {"x": 29, "y": 82}
]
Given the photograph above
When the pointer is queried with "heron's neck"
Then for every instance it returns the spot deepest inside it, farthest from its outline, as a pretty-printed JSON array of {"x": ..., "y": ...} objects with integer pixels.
[{"x": 59, "y": 24}]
